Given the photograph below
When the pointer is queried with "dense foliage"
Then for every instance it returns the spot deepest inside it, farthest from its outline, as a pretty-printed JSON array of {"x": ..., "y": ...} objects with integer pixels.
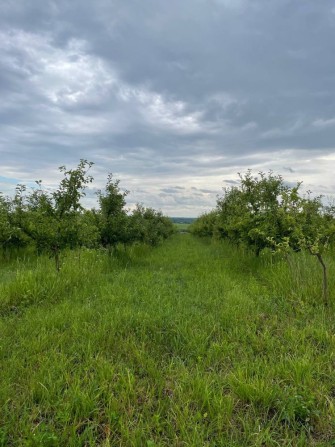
[
  {"x": 265, "y": 212},
  {"x": 51, "y": 221}
]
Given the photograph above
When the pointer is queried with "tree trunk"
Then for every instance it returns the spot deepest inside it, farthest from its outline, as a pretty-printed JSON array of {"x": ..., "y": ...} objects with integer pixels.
[{"x": 325, "y": 279}]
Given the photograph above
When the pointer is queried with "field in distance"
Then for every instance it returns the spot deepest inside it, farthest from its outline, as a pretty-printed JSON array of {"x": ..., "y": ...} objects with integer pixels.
[{"x": 182, "y": 223}]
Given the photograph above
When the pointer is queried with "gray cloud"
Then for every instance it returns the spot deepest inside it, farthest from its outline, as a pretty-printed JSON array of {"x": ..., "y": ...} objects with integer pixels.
[
  {"x": 168, "y": 95},
  {"x": 287, "y": 168}
]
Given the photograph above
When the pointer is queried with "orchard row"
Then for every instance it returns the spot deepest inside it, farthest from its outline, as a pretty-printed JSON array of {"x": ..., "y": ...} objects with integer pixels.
[
  {"x": 53, "y": 221},
  {"x": 265, "y": 212}
]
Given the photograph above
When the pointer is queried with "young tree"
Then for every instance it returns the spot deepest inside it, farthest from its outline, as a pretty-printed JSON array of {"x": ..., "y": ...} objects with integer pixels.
[
  {"x": 5, "y": 226},
  {"x": 206, "y": 225},
  {"x": 88, "y": 231},
  {"x": 12, "y": 218},
  {"x": 149, "y": 226},
  {"x": 265, "y": 212},
  {"x": 253, "y": 213},
  {"x": 53, "y": 219},
  {"x": 112, "y": 217},
  {"x": 316, "y": 230}
]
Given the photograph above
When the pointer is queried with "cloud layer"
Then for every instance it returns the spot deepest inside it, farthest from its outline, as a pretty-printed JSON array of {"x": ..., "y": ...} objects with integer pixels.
[{"x": 172, "y": 97}]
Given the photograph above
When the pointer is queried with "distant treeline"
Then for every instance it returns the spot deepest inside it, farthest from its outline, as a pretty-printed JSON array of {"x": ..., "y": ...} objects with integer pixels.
[
  {"x": 183, "y": 220},
  {"x": 52, "y": 221}
]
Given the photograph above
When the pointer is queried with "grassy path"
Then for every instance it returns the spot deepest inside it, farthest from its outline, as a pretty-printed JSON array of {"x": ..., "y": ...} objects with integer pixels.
[{"x": 183, "y": 345}]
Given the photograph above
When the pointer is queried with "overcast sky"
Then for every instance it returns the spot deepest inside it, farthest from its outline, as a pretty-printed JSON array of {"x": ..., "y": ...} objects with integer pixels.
[{"x": 173, "y": 97}]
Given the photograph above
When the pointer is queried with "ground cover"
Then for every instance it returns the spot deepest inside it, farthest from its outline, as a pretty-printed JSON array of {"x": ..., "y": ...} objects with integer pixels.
[
  {"x": 182, "y": 227},
  {"x": 192, "y": 343}
]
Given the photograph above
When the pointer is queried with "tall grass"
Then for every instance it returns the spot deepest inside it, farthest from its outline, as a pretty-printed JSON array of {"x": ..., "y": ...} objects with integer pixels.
[{"x": 193, "y": 343}]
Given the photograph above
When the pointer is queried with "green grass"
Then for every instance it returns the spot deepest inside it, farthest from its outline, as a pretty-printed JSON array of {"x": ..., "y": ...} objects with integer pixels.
[
  {"x": 182, "y": 227},
  {"x": 190, "y": 344}
]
